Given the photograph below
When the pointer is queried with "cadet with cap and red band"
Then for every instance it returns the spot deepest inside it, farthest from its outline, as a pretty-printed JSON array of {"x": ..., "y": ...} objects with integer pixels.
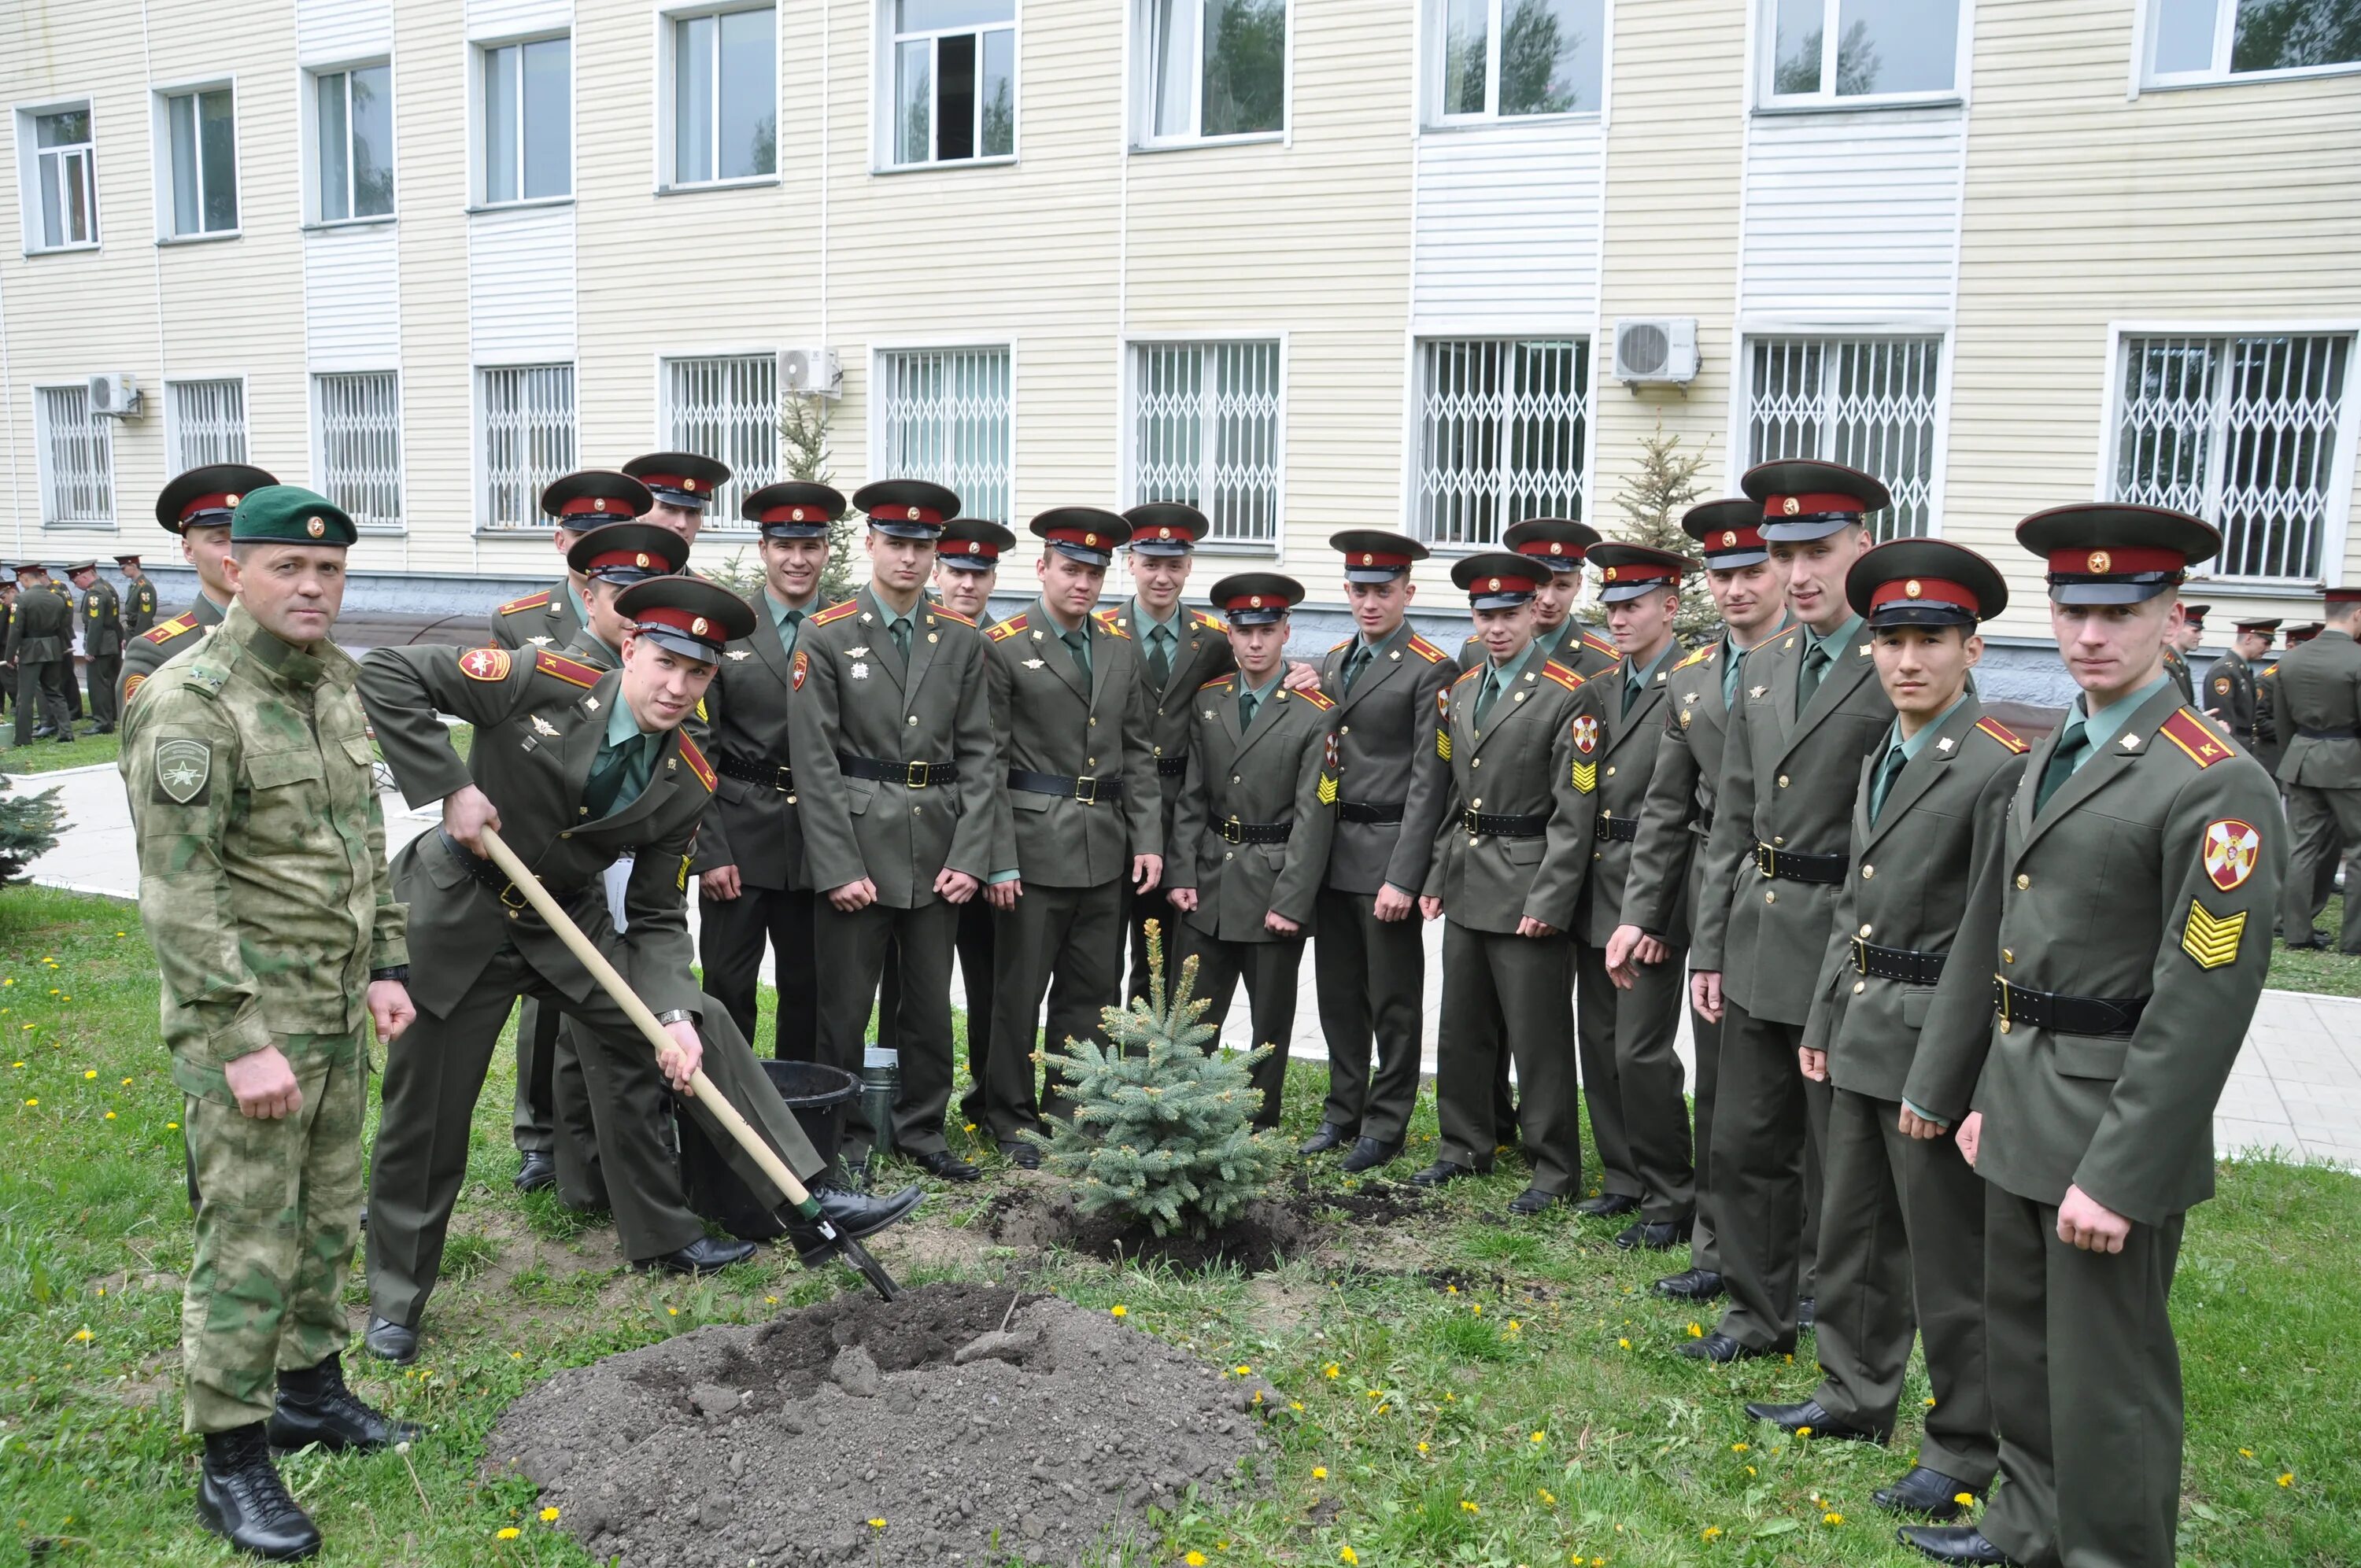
[
  {"x": 197, "y": 506},
  {"x": 682, "y": 487},
  {"x": 2318, "y": 694},
  {"x": 138, "y": 597},
  {"x": 573, "y": 503},
  {"x": 41, "y": 643},
  {"x": 2230, "y": 685}
]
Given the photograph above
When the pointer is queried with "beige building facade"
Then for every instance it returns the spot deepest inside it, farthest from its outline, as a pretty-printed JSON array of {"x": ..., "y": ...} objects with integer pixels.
[{"x": 1310, "y": 264}]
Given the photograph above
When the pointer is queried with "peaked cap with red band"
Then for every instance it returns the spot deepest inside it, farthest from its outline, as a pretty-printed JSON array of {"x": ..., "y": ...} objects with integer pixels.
[
  {"x": 1257, "y": 598},
  {"x": 1729, "y": 533},
  {"x": 1165, "y": 528},
  {"x": 1560, "y": 540},
  {"x": 1084, "y": 533},
  {"x": 1925, "y": 582},
  {"x": 680, "y": 478},
  {"x": 204, "y": 498},
  {"x": 793, "y": 509},
  {"x": 1630, "y": 571},
  {"x": 1373, "y": 555},
  {"x": 627, "y": 552},
  {"x": 2344, "y": 596},
  {"x": 687, "y": 614},
  {"x": 594, "y": 496},
  {"x": 1803, "y": 500},
  {"x": 972, "y": 544},
  {"x": 1497, "y": 579},
  {"x": 2117, "y": 552},
  {"x": 906, "y": 508}
]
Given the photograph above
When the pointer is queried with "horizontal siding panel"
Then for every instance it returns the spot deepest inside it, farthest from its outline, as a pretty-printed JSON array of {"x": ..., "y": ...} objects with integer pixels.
[
  {"x": 328, "y": 31},
  {"x": 352, "y": 298},
  {"x": 521, "y": 286},
  {"x": 516, "y": 19},
  {"x": 1851, "y": 217},
  {"x": 1508, "y": 225}
]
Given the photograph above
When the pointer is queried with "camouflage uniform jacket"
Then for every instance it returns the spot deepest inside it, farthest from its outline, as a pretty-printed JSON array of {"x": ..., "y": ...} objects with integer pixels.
[
  {"x": 262, "y": 870},
  {"x": 145, "y": 654}
]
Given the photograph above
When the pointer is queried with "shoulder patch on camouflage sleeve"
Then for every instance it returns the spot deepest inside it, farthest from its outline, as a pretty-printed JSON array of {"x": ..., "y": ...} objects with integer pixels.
[
  {"x": 835, "y": 613},
  {"x": 184, "y": 770},
  {"x": 697, "y": 762},
  {"x": 529, "y": 601},
  {"x": 1318, "y": 699},
  {"x": 2188, "y": 729},
  {"x": 1423, "y": 648},
  {"x": 485, "y": 663},
  {"x": 1006, "y": 628},
  {"x": 187, "y": 622},
  {"x": 949, "y": 614},
  {"x": 2004, "y": 735},
  {"x": 1556, "y": 671},
  {"x": 572, "y": 671}
]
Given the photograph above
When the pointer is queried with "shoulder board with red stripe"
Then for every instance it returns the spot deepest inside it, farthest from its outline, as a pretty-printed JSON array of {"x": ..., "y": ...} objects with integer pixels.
[
  {"x": 1216, "y": 681},
  {"x": 835, "y": 613},
  {"x": 1556, "y": 671},
  {"x": 695, "y": 761},
  {"x": 1317, "y": 699},
  {"x": 1006, "y": 628},
  {"x": 2004, "y": 735},
  {"x": 529, "y": 601},
  {"x": 1423, "y": 649},
  {"x": 1468, "y": 675},
  {"x": 1109, "y": 624},
  {"x": 1700, "y": 657},
  {"x": 949, "y": 614},
  {"x": 1341, "y": 646},
  {"x": 1598, "y": 644},
  {"x": 573, "y": 671},
  {"x": 2188, "y": 729},
  {"x": 169, "y": 630},
  {"x": 1212, "y": 622},
  {"x": 2274, "y": 668}
]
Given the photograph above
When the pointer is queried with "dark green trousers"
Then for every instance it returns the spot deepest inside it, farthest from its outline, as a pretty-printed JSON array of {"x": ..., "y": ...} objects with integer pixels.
[
  {"x": 1064, "y": 944},
  {"x": 2086, "y": 1381},
  {"x": 2326, "y": 826},
  {"x": 1902, "y": 1257},
  {"x": 732, "y": 933},
  {"x": 1508, "y": 995},
  {"x": 1270, "y": 969},
  {"x": 1632, "y": 1081},
  {"x": 1370, "y": 976},
  {"x": 39, "y": 700},
  {"x": 1705, "y": 1251},
  {"x": 852, "y": 951},
  {"x": 104, "y": 669},
  {"x": 534, "y": 1122},
  {"x": 974, "y": 945},
  {"x": 1768, "y": 1122}
]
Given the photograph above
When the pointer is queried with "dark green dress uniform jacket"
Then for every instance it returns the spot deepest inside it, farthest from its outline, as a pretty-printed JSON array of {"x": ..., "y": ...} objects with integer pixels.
[
  {"x": 2320, "y": 689},
  {"x": 2270, "y": 727},
  {"x": 2230, "y": 696},
  {"x": 1942, "y": 828},
  {"x": 1788, "y": 780},
  {"x": 1278, "y": 770},
  {"x": 42, "y": 631},
  {"x": 1204, "y": 655},
  {"x": 138, "y": 608},
  {"x": 1667, "y": 863},
  {"x": 758, "y": 828},
  {"x": 540, "y": 718},
  {"x": 2178, "y": 668},
  {"x": 1623, "y": 760},
  {"x": 2153, "y": 873},
  {"x": 145, "y": 654},
  {"x": 1521, "y": 764},
  {"x": 1396, "y": 696},
  {"x": 1576, "y": 647},
  {"x": 546, "y": 619},
  {"x": 1050, "y": 717},
  {"x": 856, "y": 696},
  {"x": 101, "y": 621}
]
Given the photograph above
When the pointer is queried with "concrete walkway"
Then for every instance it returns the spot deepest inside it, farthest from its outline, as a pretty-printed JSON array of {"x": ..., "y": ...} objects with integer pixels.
[{"x": 2296, "y": 1090}]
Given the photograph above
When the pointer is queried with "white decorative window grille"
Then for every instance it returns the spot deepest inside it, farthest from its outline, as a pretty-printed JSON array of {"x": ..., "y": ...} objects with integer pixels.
[
  {"x": 728, "y": 409},
  {"x": 360, "y": 445},
  {"x": 62, "y": 200},
  {"x": 77, "y": 449},
  {"x": 208, "y": 423},
  {"x": 528, "y": 414},
  {"x": 1869, "y": 403},
  {"x": 1504, "y": 428},
  {"x": 944, "y": 416},
  {"x": 2242, "y": 432},
  {"x": 1205, "y": 431}
]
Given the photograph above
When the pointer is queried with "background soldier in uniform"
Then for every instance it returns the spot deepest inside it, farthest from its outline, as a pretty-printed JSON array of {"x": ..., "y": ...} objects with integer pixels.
[
  {"x": 40, "y": 636},
  {"x": 2128, "y": 933},
  {"x": 99, "y": 618},
  {"x": 2230, "y": 689},
  {"x": 2320, "y": 771},
  {"x": 197, "y": 507},
  {"x": 263, "y": 886},
  {"x": 138, "y": 596},
  {"x": 683, "y": 486},
  {"x": 1370, "y": 964},
  {"x": 2180, "y": 639},
  {"x": 1561, "y": 544},
  {"x": 7, "y": 620}
]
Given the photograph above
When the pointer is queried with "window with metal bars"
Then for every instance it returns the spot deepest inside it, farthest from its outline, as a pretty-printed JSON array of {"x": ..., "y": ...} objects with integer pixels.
[
  {"x": 2242, "y": 431},
  {"x": 1503, "y": 433},
  {"x": 207, "y": 422},
  {"x": 726, "y": 409},
  {"x": 1206, "y": 430},
  {"x": 943, "y": 415},
  {"x": 528, "y": 439},
  {"x": 359, "y": 417},
  {"x": 77, "y": 460},
  {"x": 1870, "y": 403}
]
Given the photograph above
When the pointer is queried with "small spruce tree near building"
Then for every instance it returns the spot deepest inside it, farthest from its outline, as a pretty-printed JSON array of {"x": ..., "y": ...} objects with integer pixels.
[
  {"x": 804, "y": 419},
  {"x": 29, "y": 829},
  {"x": 1653, "y": 500},
  {"x": 1162, "y": 1128}
]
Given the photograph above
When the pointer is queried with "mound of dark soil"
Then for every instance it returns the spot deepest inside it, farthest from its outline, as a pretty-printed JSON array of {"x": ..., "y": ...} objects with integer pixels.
[{"x": 781, "y": 1444}]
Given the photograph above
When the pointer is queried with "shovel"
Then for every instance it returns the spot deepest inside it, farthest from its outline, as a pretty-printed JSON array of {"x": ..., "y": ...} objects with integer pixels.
[{"x": 807, "y": 1208}]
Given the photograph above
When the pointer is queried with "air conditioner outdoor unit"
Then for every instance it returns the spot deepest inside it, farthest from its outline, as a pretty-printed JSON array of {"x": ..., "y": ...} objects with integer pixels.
[
  {"x": 114, "y": 394},
  {"x": 814, "y": 372},
  {"x": 1656, "y": 351}
]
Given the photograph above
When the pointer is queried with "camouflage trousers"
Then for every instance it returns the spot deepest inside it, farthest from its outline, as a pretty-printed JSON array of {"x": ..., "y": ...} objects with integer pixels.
[{"x": 277, "y": 1219}]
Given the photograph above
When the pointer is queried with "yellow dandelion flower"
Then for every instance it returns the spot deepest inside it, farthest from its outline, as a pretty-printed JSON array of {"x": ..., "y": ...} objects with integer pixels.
[
  {"x": 549, "y": 1516},
  {"x": 127, "y": 1080},
  {"x": 1545, "y": 1494},
  {"x": 1116, "y": 1311},
  {"x": 507, "y": 1532},
  {"x": 2243, "y": 1454},
  {"x": 1320, "y": 1473},
  {"x": 1540, "y": 1436},
  {"x": 1469, "y": 1508},
  {"x": 1346, "y": 1554},
  {"x": 770, "y": 1300},
  {"x": 83, "y": 1335},
  {"x": 1738, "y": 1447},
  {"x": 1749, "y": 1470},
  {"x": 1331, "y": 1371},
  {"x": 1295, "y": 1405},
  {"x": 1832, "y": 1517},
  {"x": 31, "y": 1103},
  {"x": 1513, "y": 1324},
  {"x": 1195, "y": 1560},
  {"x": 110, "y": 1116},
  {"x": 1710, "y": 1532},
  {"x": 876, "y": 1524},
  {"x": 1243, "y": 1370},
  {"x": 1803, "y": 1431},
  {"x": 1622, "y": 1344},
  {"x": 2288, "y": 1479},
  {"x": 1965, "y": 1499},
  {"x": 516, "y": 1356},
  {"x": 671, "y": 1311},
  {"x": 1422, "y": 1448},
  {"x": 1451, "y": 1289},
  {"x": 171, "y": 1126},
  {"x": 1931, "y": 1403}
]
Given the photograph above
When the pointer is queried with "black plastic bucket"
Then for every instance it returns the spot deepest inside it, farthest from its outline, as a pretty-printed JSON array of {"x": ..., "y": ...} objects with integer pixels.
[{"x": 818, "y": 1095}]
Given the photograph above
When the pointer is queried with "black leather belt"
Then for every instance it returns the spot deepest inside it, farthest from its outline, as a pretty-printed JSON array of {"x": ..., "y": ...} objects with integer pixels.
[
  {"x": 764, "y": 773},
  {"x": 1496, "y": 824},
  {"x": 1617, "y": 829},
  {"x": 1905, "y": 964},
  {"x": 1089, "y": 792},
  {"x": 2067, "y": 1014},
  {"x": 1369, "y": 811},
  {"x": 911, "y": 775},
  {"x": 2311, "y": 734},
  {"x": 1798, "y": 865},
  {"x": 511, "y": 897},
  {"x": 1172, "y": 767},
  {"x": 1236, "y": 832}
]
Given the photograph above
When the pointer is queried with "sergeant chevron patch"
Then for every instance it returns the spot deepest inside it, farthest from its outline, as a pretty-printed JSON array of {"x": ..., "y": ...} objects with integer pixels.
[
  {"x": 1585, "y": 777},
  {"x": 2212, "y": 939},
  {"x": 1328, "y": 789}
]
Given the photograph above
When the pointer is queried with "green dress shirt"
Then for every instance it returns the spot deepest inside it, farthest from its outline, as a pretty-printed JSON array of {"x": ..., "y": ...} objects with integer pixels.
[{"x": 787, "y": 621}]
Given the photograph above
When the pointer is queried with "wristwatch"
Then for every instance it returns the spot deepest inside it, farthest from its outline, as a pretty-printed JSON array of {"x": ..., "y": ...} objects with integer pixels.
[{"x": 676, "y": 1016}]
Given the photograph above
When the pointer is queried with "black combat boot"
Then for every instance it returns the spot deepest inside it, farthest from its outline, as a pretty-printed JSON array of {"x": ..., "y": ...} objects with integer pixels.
[
  {"x": 241, "y": 1498},
  {"x": 315, "y": 1406}
]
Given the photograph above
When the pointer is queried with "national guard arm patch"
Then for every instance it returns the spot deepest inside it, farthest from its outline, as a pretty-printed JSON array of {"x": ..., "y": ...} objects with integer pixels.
[
  {"x": 185, "y": 771},
  {"x": 485, "y": 664},
  {"x": 2212, "y": 939},
  {"x": 802, "y": 669},
  {"x": 131, "y": 686},
  {"x": 2232, "y": 851}
]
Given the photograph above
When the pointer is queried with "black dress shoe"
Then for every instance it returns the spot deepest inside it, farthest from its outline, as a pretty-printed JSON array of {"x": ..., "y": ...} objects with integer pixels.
[
  {"x": 1441, "y": 1171},
  {"x": 855, "y": 1214},
  {"x": 1329, "y": 1136},
  {"x": 1719, "y": 1348},
  {"x": 1953, "y": 1543},
  {"x": 1925, "y": 1492},
  {"x": 1022, "y": 1155},
  {"x": 945, "y": 1166},
  {"x": 1690, "y": 1285},
  {"x": 1655, "y": 1235},
  {"x": 315, "y": 1406},
  {"x": 1534, "y": 1201},
  {"x": 241, "y": 1498},
  {"x": 1810, "y": 1418},
  {"x": 1606, "y": 1205},
  {"x": 1368, "y": 1154},
  {"x": 1806, "y": 1311},
  {"x": 539, "y": 1170},
  {"x": 389, "y": 1341},
  {"x": 703, "y": 1256}
]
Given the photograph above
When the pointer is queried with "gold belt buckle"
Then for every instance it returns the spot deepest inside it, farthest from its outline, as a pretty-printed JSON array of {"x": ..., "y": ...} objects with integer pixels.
[
  {"x": 1766, "y": 859},
  {"x": 513, "y": 897},
  {"x": 1861, "y": 955},
  {"x": 915, "y": 778},
  {"x": 1086, "y": 791},
  {"x": 2004, "y": 1020},
  {"x": 1234, "y": 831}
]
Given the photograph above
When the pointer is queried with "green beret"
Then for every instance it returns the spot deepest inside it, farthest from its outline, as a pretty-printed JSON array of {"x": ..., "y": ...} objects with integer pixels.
[{"x": 289, "y": 514}]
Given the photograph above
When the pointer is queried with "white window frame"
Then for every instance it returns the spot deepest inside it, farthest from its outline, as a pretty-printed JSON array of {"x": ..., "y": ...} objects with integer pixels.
[
  {"x": 884, "y": 95},
  {"x": 1742, "y": 399},
  {"x": 2336, "y": 506},
  {"x": 1216, "y": 542},
  {"x": 1763, "y": 18},
  {"x": 310, "y": 159},
  {"x": 161, "y": 99},
  {"x": 1414, "y": 414},
  {"x": 535, "y": 479},
  {"x": 479, "y": 139},
  {"x": 1432, "y": 43},
  {"x": 880, "y": 416},
  {"x": 721, "y": 516},
  {"x": 29, "y": 155},
  {"x": 668, "y": 20},
  {"x": 100, "y": 433},
  {"x": 2218, "y": 73},
  {"x": 1143, "y": 83},
  {"x": 178, "y": 393},
  {"x": 364, "y": 520}
]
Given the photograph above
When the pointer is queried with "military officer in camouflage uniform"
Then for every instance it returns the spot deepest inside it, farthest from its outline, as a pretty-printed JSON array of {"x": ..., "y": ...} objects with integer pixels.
[
  {"x": 99, "y": 617},
  {"x": 1257, "y": 816},
  {"x": 2230, "y": 688},
  {"x": 1370, "y": 964},
  {"x": 196, "y": 506},
  {"x": 40, "y": 636},
  {"x": 1809, "y": 709},
  {"x": 1901, "y": 1218},
  {"x": 1662, "y": 888},
  {"x": 138, "y": 596},
  {"x": 2128, "y": 933},
  {"x": 1630, "y": 1071},
  {"x": 2320, "y": 772},
  {"x": 264, "y": 889},
  {"x": 1510, "y": 862}
]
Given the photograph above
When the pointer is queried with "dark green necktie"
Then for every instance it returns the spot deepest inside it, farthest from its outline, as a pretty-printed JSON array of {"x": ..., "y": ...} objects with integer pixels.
[
  {"x": 1631, "y": 689},
  {"x": 1160, "y": 656},
  {"x": 1250, "y": 704},
  {"x": 606, "y": 781},
  {"x": 1078, "y": 643},
  {"x": 794, "y": 623},
  {"x": 1884, "y": 785},
  {"x": 1355, "y": 662},
  {"x": 1487, "y": 690},
  {"x": 2071, "y": 747},
  {"x": 1816, "y": 666},
  {"x": 899, "y": 631}
]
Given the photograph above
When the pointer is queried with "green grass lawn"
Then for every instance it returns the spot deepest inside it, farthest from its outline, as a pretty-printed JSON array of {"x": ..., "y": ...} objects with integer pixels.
[
  {"x": 49, "y": 757},
  {"x": 2331, "y": 973},
  {"x": 1537, "y": 1414}
]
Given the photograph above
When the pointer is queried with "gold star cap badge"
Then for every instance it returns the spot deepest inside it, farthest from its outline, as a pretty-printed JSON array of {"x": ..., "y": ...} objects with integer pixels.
[
  {"x": 2101, "y": 561},
  {"x": 315, "y": 527},
  {"x": 697, "y": 628},
  {"x": 1610, "y": 573},
  {"x": 1496, "y": 584},
  {"x": 1729, "y": 537},
  {"x": 1791, "y": 506},
  {"x": 1369, "y": 560},
  {"x": 689, "y": 484},
  {"x": 975, "y": 546},
  {"x": 914, "y": 514},
  {"x": 1911, "y": 589},
  {"x": 597, "y": 503},
  {"x": 643, "y": 558},
  {"x": 231, "y": 499},
  {"x": 1556, "y": 548},
  {"x": 794, "y": 514},
  {"x": 1090, "y": 539}
]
